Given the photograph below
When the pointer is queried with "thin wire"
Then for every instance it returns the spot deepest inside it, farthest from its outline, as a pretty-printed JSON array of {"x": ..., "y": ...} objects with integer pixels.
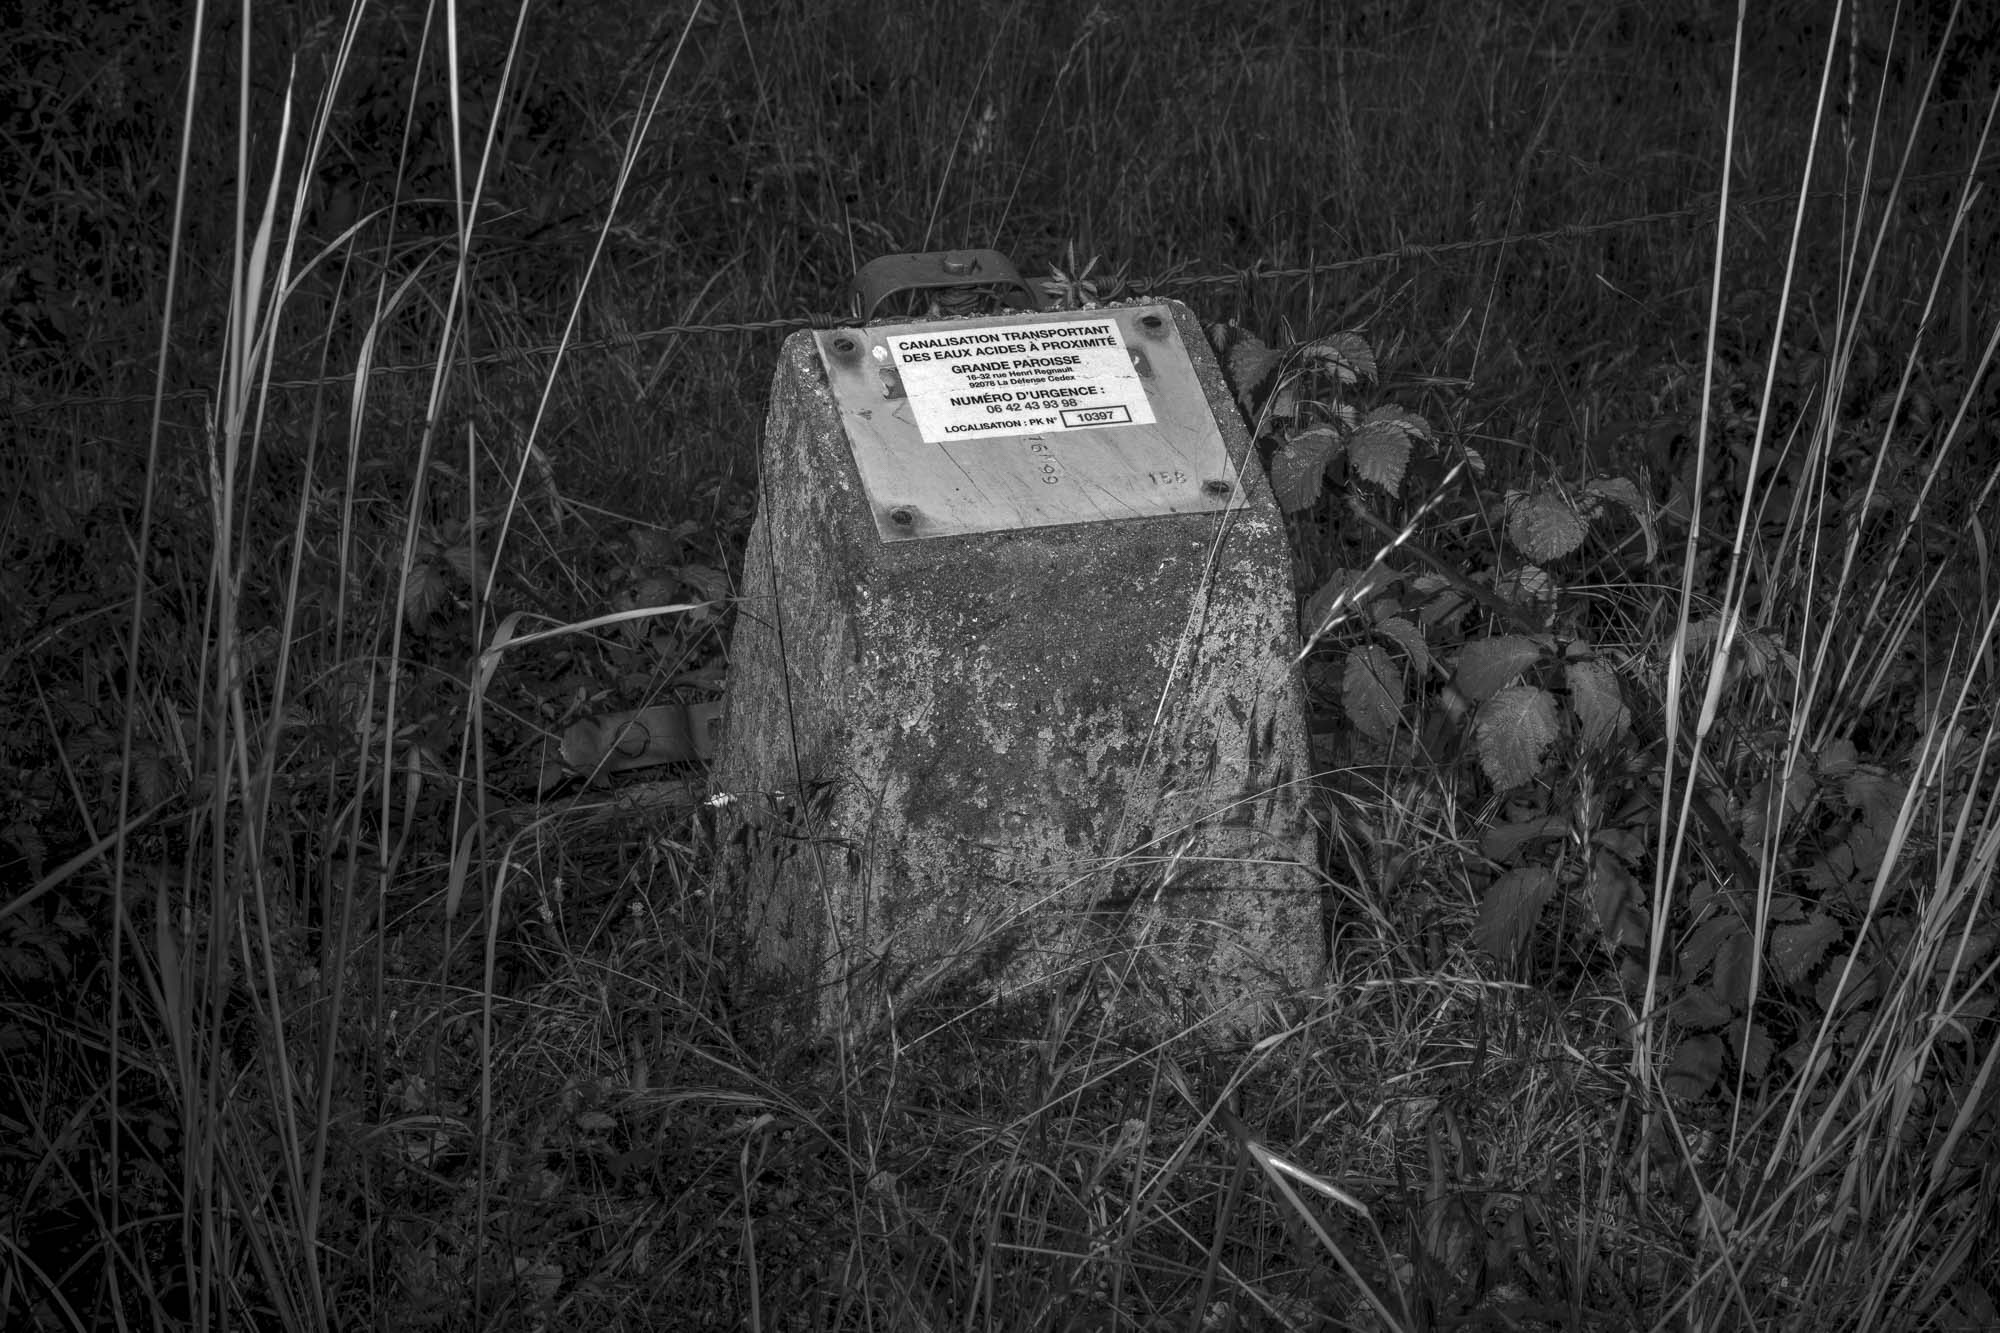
[{"x": 1169, "y": 281}]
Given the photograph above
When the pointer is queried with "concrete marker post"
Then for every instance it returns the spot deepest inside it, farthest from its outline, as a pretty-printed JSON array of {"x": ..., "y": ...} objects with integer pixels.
[{"x": 1011, "y": 697}]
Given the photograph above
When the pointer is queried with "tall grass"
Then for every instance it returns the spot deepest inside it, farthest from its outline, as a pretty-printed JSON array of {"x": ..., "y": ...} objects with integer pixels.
[{"x": 346, "y": 474}]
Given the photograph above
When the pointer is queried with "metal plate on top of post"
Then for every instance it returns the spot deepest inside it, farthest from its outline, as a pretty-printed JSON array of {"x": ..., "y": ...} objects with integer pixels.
[{"x": 1027, "y": 420}]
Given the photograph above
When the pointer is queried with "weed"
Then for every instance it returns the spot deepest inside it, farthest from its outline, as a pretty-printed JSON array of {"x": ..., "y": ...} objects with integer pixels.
[{"x": 1653, "y": 667}]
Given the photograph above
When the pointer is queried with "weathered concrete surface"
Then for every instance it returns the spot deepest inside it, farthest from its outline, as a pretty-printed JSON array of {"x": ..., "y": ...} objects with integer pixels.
[{"x": 993, "y": 759}]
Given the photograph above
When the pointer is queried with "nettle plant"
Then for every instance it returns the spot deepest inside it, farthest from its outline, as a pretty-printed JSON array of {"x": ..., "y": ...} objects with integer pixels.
[
  {"x": 1446, "y": 628},
  {"x": 1450, "y": 627}
]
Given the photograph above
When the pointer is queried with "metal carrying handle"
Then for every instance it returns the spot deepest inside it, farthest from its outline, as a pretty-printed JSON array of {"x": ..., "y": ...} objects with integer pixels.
[{"x": 880, "y": 279}]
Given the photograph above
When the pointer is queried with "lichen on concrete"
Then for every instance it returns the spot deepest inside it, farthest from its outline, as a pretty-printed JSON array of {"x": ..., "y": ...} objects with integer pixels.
[{"x": 1008, "y": 753}]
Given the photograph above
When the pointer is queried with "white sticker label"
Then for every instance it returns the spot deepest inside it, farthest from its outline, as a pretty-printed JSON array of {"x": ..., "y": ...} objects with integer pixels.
[{"x": 1026, "y": 379}]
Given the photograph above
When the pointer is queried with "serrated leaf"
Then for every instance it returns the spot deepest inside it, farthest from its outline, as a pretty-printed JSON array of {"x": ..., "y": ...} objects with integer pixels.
[
  {"x": 1699, "y": 1008},
  {"x": 1863, "y": 985},
  {"x": 1346, "y": 356},
  {"x": 709, "y": 583},
  {"x": 1787, "y": 907},
  {"x": 21, "y": 965},
  {"x": 1624, "y": 842},
  {"x": 1701, "y": 946},
  {"x": 424, "y": 593},
  {"x": 1516, "y": 727},
  {"x": 1869, "y": 846},
  {"x": 1599, "y": 706},
  {"x": 1758, "y": 811},
  {"x": 1502, "y": 842},
  {"x": 1735, "y": 962},
  {"x": 1752, "y": 1047},
  {"x": 1528, "y": 585},
  {"x": 1970, "y": 954},
  {"x": 595, "y": 1122},
  {"x": 1379, "y": 453},
  {"x": 1622, "y": 492},
  {"x": 1877, "y": 796},
  {"x": 1440, "y": 605},
  {"x": 1510, "y": 908},
  {"x": 1485, "y": 665},
  {"x": 150, "y": 774},
  {"x": 1406, "y": 635},
  {"x": 465, "y": 560},
  {"x": 1298, "y": 469},
  {"x": 1696, "y": 1065},
  {"x": 1371, "y": 690},
  {"x": 1797, "y": 949},
  {"x": 1543, "y": 525},
  {"x": 1414, "y": 424},
  {"x": 1762, "y": 653},
  {"x": 1836, "y": 759},
  {"x": 1250, "y": 364},
  {"x": 1343, "y": 590},
  {"x": 1618, "y": 900}
]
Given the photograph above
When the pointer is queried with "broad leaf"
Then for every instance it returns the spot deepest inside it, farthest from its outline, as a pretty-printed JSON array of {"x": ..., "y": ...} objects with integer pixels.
[
  {"x": 1864, "y": 983},
  {"x": 1516, "y": 727},
  {"x": 1371, "y": 690},
  {"x": 1380, "y": 449},
  {"x": 1700, "y": 1009},
  {"x": 1758, "y": 811},
  {"x": 1758, "y": 651},
  {"x": 1734, "y": 964},
  {"x": 1701, "y": 635},
  {"x": 1618, "y": 900},
  {"x": 1440, "y": 604},
  {"x": 1405, "y": 634},
  {"x": 1788, "y": 908},
  {"x": 1876, "y": 795},
  {"x": 1298, "y": 469},
  {"x": 1502, "y": 842},
  {"x": 1797, "y": 949},
  {"x": 1528, "y": 585},
  {"x": 1696, "y": 1065},
  {"x": 1343, "y": 592},
  {"x": 1346, "y": 356},
  {"x": 1623, "y": 493},
  {"x": 1485, "y": 665},
  {"x": 1600, "y": 708},
  {"x": 707, "y": 581},
  {"x": 1510, "y": 908},
  {"x": 464, "y": 557},
  {"x": 1627, "y": 844},
  {"x": 1707, "y": 939},
  {"x": 1413, "y": 424},
  {"x": 1250, "y": 361},
  {"x": 424, "y": 593},
  {"x": 1752, "y": 1046},
  {"x": 1543, "y": 525},
  {"x": 1836, "y": 759}
]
